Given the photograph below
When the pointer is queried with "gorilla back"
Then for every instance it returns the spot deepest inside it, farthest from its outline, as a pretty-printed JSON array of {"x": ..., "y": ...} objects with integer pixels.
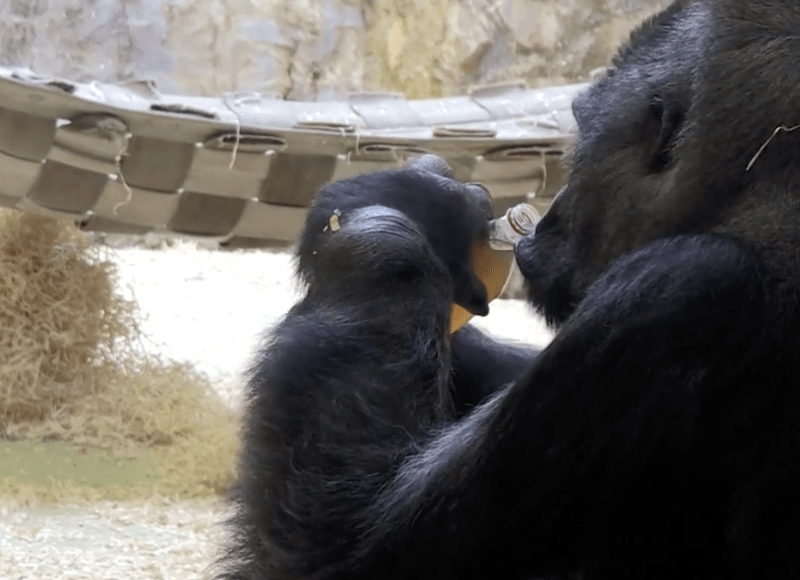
[{"x": 657, "y": 436}]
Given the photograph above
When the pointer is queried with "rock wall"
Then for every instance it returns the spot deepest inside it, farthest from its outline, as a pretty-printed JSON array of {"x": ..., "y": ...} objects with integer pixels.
[{"x": 317, "y": 49}]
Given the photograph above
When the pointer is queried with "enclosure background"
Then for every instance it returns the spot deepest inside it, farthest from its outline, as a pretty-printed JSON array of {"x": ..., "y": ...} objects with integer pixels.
[{"x": 317, "y": 49}]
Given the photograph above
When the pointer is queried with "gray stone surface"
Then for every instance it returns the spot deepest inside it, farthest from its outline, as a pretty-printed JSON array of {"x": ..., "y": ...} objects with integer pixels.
[{"x": 317, "y": 49}]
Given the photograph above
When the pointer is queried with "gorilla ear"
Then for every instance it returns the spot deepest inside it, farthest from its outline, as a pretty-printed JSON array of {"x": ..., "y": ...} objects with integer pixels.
[{"x": 664, "y": 118}]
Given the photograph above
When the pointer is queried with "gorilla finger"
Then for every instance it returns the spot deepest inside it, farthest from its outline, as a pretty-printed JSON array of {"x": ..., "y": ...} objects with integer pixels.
[
  {"x": 481, "y": 196},
  {"x": 470, "y": 293},
  {"x": 432, "y": 164}
]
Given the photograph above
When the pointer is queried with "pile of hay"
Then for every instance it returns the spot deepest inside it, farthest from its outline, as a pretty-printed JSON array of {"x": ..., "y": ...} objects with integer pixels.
[{"x": 73, "y": 374}]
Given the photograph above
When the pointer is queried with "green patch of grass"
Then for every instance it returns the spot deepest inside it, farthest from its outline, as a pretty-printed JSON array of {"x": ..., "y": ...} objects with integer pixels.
[{"x": 55, "y": 469}]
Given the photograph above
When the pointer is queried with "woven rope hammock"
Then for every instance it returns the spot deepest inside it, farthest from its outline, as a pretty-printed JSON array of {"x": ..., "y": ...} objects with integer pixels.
[{"x": 242, "y": 168}]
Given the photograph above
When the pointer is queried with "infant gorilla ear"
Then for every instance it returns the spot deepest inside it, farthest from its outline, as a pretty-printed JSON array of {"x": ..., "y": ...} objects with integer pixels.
[{"x": 453, "y": 217}]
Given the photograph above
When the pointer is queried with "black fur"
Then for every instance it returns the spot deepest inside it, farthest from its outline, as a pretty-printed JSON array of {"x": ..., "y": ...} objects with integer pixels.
[
  {"x": 358, "y": 375},
  {"x": 656, "y": 437},
  {"x": 452, "y": 216}
]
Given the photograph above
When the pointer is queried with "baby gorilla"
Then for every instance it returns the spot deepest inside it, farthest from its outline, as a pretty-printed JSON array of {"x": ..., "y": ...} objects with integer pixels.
[
  {"x": 426, "y": 194},
  {"x": 349, "y": 387}
]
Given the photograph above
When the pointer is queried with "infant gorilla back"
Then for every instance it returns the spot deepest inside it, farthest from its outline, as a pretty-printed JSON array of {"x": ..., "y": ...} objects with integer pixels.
[
  {"x": 357, "y": 376},
  {"x": 657, "y": 436}
]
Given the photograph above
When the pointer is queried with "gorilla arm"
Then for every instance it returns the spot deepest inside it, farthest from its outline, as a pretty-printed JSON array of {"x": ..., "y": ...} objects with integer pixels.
[
  {"x": 481, "y": 365},
  {"x": 492, "y": 268},
  {"x": 607, "y": 436}
]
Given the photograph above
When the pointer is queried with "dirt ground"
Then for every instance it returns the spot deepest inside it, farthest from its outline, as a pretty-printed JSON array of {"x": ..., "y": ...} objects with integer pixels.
[
  {"x": 158, "y": 540},
  {"x": 208, "y": 308}
]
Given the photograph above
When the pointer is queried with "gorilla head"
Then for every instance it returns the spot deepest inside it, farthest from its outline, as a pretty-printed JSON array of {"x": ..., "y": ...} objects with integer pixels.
[
  {"x": 453, "y": 216},
  {"x": 665, "y": 146}
]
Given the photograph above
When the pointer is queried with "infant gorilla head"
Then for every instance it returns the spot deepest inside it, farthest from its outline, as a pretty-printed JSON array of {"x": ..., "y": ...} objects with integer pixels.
[
  {"x": 657, "y": 436},
  {"x": 451, "y": 216}
]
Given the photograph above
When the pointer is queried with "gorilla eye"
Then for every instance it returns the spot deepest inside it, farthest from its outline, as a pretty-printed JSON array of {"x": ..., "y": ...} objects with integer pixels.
[{"x": 663, "y": 120}]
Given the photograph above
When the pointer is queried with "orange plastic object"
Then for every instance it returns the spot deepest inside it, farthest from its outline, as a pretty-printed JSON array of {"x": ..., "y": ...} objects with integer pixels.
[{"x": 492, "y": 267}]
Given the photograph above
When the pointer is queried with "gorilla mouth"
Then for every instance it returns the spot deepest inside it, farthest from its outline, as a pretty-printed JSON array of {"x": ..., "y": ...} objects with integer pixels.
[{"x": 548, "y": 279}]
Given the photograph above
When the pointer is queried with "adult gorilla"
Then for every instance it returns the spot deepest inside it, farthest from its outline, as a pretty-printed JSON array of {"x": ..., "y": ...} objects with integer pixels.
[{"x": 658, "y": 436}]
